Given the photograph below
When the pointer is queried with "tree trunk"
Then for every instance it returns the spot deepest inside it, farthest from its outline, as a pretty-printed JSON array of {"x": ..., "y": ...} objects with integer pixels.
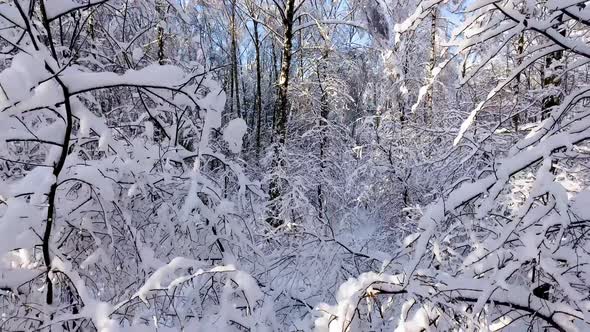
[
  {"x": 258, "y": 98},
  {"x": 231, "y": 89},
  {"x": 401, "y": 97},
  {"x": 553, "y": 67},
  {"x": 431, "y": 64},
  {"x": 234, "y": 55},
  {"x": 519, "y": 51},
  {"x": 281, "y": 112},
  {"x": 300, "y": 69},
  {"x": 274, "y": 77},
  {"x": 323, "y": 122},
  {"x": 160, "y": 7}
]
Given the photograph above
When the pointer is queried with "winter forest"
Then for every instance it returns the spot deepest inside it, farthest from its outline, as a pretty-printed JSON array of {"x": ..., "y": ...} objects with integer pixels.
[{"x": 295, "y": 165}]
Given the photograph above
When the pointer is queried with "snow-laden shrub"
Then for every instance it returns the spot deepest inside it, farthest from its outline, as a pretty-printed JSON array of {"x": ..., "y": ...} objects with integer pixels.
[{"x": 118, "y": 208}]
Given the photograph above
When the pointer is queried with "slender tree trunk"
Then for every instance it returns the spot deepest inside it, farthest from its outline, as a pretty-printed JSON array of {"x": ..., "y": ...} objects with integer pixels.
[
  {"x": 428, "y": 112},
  {"x": 300, "y": 71},
  {"x": 519, "y": 51},
  {"x": 231, "y": 90},
  {"x": 555, "y": 67},
  {"x": 401, "y": 97},
  {"x": 272, "y": 87},
  {"x": 281, "y": 112},
  {"x": 552, "y": 80},
  {"x": 245, "y": 102},
  {"x": 58, "y": 165},
  {"x": 283, "y": 102},
  {"x": 234, "y": 55},
  {"x": 160, "y": 7},
  {"x": 258, "y": 98},
  {"x": 323, "y": 122}
]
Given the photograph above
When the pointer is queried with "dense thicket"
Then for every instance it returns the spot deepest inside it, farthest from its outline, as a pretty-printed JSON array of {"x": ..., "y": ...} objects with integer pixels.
[{"x": 294, "y": 165}]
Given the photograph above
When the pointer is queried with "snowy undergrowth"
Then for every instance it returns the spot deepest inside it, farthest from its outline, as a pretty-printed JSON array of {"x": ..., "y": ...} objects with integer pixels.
[{"x": 128, "y": 200}]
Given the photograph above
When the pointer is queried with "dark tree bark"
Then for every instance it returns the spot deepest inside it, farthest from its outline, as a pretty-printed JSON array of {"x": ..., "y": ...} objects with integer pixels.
[
  {"x": 281, "y": 112},
  {"x": 431, "y": 64},
  {"x": 258, "y": 98},
  {"x": 554, "y": 66},
  {"x": 234, "y": 55},
  {"x": 519, "y": 50}
]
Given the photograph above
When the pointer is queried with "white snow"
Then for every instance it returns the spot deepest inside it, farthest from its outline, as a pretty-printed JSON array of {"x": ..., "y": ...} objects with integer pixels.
[{"x": 233, "y": 134}]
